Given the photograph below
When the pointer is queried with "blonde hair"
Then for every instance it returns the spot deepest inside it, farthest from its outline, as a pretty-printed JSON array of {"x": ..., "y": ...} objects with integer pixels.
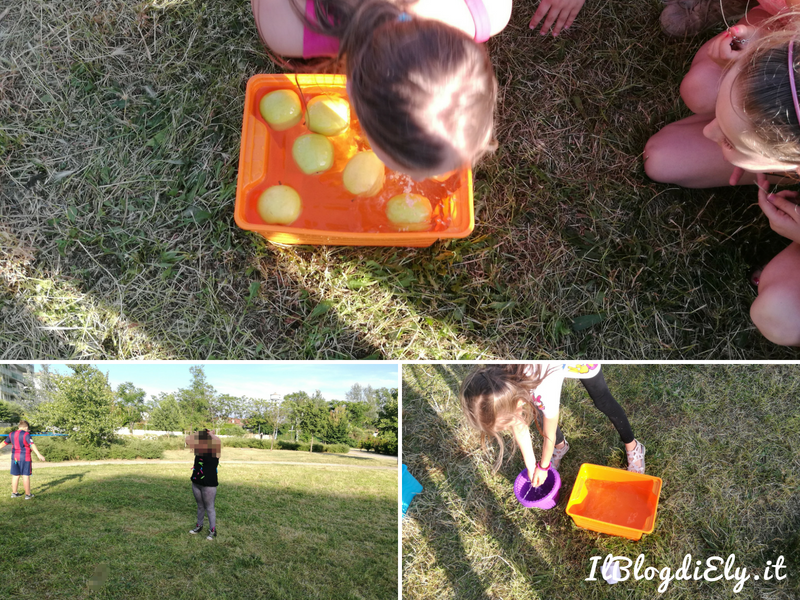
[
  {"x": 766, "y": 89},
  {"x": 490, "y": 397}
]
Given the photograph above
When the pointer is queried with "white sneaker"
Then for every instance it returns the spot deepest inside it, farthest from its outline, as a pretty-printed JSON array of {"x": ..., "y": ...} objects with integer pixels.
[
  {"x": 558, "y": 454},
  {"x": 636, "y": 458}
]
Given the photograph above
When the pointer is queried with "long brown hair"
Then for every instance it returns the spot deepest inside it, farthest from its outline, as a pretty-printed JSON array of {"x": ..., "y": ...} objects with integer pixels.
[
  {"x": 423, "y": 91},
  {"x": 490, "y": 396}
]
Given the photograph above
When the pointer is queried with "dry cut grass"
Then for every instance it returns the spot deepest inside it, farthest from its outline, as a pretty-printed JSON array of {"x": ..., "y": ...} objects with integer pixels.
[
  {"x": 119, "y": 136},
  {"x": 724, "y": 440}
]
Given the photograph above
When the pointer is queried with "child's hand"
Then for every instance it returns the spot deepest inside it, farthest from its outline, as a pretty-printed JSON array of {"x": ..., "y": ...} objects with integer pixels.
[
  {"x": 727, "y": 47},
  {"x": 539, "y": 475},
  {"x": 562, "y": 12},
  {"x": 780, "y": 210}
]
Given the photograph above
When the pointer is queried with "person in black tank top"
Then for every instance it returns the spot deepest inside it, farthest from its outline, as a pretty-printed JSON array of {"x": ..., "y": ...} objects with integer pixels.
[{"x": 207, "y": 449}]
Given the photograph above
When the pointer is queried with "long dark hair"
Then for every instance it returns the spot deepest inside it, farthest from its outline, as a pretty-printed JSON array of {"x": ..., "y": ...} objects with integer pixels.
[{"x": 423, "y": 91}]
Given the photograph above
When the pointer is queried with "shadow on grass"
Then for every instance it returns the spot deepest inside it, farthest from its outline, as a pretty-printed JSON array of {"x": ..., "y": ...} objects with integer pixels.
[
  {"x": 51, "y": 483},
  {"x": 326, "y": 536},
  {"x": 453, "y": 496}
]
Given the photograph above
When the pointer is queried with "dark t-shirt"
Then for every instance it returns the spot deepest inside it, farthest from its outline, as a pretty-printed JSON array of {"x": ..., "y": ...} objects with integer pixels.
[{"x": 204, "y": 471}]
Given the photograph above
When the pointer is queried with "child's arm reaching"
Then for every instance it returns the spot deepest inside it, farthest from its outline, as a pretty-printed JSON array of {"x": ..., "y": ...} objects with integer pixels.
[
  {"x": 549, "y": 442},
  {"x": 522, "y": 436}
]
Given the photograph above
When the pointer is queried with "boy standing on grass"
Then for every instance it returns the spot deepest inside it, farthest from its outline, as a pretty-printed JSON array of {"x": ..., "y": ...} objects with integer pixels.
[{"x": 21, "y": 465}]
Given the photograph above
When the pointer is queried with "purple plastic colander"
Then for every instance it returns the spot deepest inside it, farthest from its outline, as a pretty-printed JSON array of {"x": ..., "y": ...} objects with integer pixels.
[{"x": 545, "y": 496}]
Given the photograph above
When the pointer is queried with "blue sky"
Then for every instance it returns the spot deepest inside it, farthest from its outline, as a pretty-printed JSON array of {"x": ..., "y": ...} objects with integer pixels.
[{"x": 251, "y": 379}]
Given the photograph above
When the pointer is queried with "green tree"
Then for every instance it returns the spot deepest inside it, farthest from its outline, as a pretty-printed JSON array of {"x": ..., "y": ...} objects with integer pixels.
[
  {"x": 82, "y": 406},
  {"x": 225, "y": 406},
  {"x": 166, "y": 415},
  {"x": 130, "y": 401},
  {"x": 313, "y": 419},
  {"x": 10, "y": 412},
  {"x": 338, "y": 431},
  {"x": 387, "y": 417},
  {"x": 357, "y": 413},
  {"x": 196, "y": 400},
  {"x": 387, "y": 422},
  {"x": 358, "y": 394},
  {"x": 292, "y": 402}
]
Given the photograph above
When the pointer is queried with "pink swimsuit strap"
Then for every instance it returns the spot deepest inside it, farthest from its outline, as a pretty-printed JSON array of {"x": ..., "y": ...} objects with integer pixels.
[
  {"x": 315, "y": 44},
  {"x": 483, "y": 27}
]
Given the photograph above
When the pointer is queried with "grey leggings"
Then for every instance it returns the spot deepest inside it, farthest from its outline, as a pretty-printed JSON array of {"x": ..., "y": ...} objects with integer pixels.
[{"x": 205, "y": 495}]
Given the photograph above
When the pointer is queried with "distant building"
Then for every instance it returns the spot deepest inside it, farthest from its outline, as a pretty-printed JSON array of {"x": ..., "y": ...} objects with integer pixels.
[
  {"x": 12, "y": 378},
  {"x": 234, "y": 421}
]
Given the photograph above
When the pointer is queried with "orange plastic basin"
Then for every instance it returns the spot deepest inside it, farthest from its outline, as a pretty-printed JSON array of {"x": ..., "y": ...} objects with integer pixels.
[
  {"x": 614, "y": 501},
  {"x": 330, "y": 214}
]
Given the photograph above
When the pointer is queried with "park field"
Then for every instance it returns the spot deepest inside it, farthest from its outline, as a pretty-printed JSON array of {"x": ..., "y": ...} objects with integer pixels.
[
  {"x": 725, "y": 440},
  {"x": 121, "y": 531}
]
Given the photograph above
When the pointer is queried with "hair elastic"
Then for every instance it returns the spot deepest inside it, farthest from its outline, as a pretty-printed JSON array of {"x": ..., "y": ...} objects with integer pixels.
[
  {"x": 791, "y": 81},
  {"x": 403, "y": 17}
]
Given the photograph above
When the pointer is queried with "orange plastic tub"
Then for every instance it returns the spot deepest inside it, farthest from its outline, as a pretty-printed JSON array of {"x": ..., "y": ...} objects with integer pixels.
[
  {"x": 614, "y": 501},
  {"x": 330, "y": 214}
]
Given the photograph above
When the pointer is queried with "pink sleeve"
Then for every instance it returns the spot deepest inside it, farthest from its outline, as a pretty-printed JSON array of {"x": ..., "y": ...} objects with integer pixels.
[
  {"x": 315, "y": 44},
  {"x": 773, "y": 7}
]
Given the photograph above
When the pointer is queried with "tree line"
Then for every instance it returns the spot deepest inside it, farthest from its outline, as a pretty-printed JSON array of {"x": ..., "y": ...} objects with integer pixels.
[{"x": 84, "y": 405}]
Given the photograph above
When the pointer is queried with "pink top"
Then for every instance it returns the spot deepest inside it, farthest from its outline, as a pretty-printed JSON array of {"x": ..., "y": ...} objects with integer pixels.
[
  {"x": 773, "y": 7},
  {"x": 315, "y": 44}
]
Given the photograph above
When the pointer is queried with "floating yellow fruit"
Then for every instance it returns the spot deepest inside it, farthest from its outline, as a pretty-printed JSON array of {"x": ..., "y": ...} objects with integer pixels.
[
  {"x": 328, "y": 115},
  {"x": 281, "y": 109},
  {"x": 410, "y": 212},
  {"x": 313, "y": 153},
  {"x": 364, "y": 174},
  {"x": 280, "y": 205}
]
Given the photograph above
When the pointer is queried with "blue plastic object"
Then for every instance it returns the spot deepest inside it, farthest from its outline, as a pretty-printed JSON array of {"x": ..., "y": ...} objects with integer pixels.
[{"x": 411, "y": 487}]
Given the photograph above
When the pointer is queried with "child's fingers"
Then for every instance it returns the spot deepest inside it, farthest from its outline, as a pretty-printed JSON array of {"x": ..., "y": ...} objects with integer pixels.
[
  {"x": 541, "y": 11},
  {"x": 562, "y": 19},
  {"x": 572, "y": 18},
  {"x": 789, "y": 208},
  {"x": 552, "y": 15},
  {"x": 737, "y": 174},
  {"x": 762, "y": 182}
]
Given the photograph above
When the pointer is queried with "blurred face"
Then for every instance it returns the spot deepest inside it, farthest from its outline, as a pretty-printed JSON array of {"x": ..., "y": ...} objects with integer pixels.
[{"x": 733, "y": 132}]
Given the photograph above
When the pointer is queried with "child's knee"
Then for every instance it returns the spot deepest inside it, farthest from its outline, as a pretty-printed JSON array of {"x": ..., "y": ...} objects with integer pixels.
[
  {"x": 657, "y": 162},
  {"x": 698, "y": 90},
  {"x": 776, "y": 314}
]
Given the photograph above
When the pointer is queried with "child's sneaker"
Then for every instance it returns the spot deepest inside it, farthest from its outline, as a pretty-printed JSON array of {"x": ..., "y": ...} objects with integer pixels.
[
  {"x": 636, "y": 458},
  {"x": 28, "y": 496},
  {"x": 197, "y": 529},
  {"x": 15, "y": 495},
  {"x": 212, "y": 534},
  {"x": 558, "y": 454}
]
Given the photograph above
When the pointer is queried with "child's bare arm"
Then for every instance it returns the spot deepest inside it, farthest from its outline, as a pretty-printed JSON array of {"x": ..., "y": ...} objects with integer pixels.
[
  {"x": 39, "y": 454},
  {"x": 522, "y": 436},
  {"x": 549, "y": 442}
]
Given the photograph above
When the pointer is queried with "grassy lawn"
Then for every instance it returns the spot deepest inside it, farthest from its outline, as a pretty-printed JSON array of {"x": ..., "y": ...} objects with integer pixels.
[
  {"x": 724, "y": 439},
  {"x": 121, "y": 531},
  {"x": 229, "y": 454},
  {"x": 118, "y": 163}
]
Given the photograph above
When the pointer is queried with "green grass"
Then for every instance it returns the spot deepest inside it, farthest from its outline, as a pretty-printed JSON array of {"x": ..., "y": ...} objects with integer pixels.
[
  {"x": 724, "y": 440},
  {"x": 121, "y": 531},
  {"x": 118, "y": 163}
]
